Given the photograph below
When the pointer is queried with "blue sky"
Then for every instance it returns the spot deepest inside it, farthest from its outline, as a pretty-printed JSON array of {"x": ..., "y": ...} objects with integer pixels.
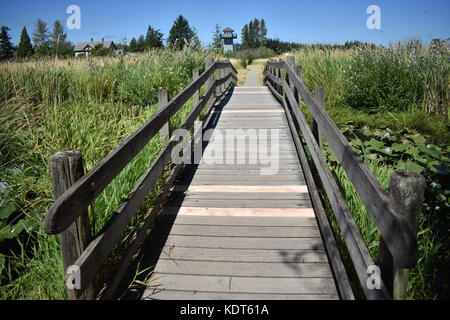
[{"x": 320, "y": 21}]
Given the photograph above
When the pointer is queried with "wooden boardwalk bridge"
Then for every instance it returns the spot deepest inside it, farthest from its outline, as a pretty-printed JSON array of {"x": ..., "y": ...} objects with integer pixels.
[{"x": 247, "y": 221}]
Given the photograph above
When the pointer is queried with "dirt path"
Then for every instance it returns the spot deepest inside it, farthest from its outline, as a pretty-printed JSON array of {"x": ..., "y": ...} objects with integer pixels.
[{"x": 253, "y": 77}]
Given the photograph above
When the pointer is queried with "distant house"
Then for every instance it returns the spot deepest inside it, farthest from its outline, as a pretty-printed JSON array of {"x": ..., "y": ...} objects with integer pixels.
[{"x": 85, "y": 48}]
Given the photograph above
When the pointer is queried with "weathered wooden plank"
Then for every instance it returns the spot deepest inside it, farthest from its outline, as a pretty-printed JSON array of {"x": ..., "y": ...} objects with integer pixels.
[
  {"x": 255, "y": 178},
  {"x": 239, "y": 255},
  {"x": 163, "y": 99},
  {"x": 238, "y": 221},
  {"x": 245, "y": 284},
  {"x": 195, "y": 295},
  {"x": 239, "y": 196},
  {"x": 236, "y": 231},
  {"x": 241, "y": 242},
  {"x": 244, "y": 269},
  {"x": 66, "y": 168}
]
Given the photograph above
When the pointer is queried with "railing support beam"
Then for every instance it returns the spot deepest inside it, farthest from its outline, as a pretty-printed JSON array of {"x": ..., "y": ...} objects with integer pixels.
[
  {"x": 320, "y": 98},
  {"x": 66, "y": 168},
  {"x": 163, "y": 99},
  {"x": 407, "y": 191}
]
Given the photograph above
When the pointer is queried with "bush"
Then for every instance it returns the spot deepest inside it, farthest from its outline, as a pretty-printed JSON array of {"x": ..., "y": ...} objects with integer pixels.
[
  {"x": 382, "y": 80},
  {"x": 244, "y": 62},
  {"x": 399, "y": 79}
]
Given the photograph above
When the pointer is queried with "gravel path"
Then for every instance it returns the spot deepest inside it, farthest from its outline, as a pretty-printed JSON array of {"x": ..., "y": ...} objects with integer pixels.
[{"x": 252, "y": 78}]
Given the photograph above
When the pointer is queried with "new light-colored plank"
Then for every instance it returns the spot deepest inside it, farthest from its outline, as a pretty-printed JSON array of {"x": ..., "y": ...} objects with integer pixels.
[
  {"x": 250, "y": 111},
  {"x": 246, "y": 203},
  {"x": 247, "y": 212}
]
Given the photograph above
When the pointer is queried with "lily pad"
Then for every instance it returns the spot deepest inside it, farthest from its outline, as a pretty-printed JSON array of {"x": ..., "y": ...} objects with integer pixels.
[
  {"x": 371, "y": 156},
  {"x": 366, "y": 131},
  {"x": 417, "y": 157},
  {"x": 374, "y": 145},
  {"x": 431, "y": 151},
  {"x": 387, "y": 150},
  {"x": 414, "y": 167},
  {"x": 418, "y": 139},
  {"x": 7, "y": 210},
  {"x": 401, "y": 147}
]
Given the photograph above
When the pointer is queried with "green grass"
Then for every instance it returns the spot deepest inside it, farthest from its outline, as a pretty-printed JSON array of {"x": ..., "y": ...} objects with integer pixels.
[
  {"x": 85, "y": 105},
  {"x": 403, "y": 87}
]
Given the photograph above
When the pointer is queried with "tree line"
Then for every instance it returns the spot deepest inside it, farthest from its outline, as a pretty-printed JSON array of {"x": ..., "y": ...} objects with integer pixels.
[
  {"x": 46, "y": 42},
  {"x": 181, "y": 34},
  {"x": 54, "y": 42}
]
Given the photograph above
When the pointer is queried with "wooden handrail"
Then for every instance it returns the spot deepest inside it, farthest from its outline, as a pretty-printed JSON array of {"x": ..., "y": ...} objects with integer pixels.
[
  {"x": 395, "y": 230},
  {"x": 90, "y": 260},
  {"x": 393, "y": 227},
  {"x": 74, "y": 201},
  {"x": 79, "y": 196}
]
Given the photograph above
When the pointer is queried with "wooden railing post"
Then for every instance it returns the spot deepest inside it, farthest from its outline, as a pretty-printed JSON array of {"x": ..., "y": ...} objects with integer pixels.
[
  {"x": 65, "y": 169},
  {"x": 222, "y": 86},
  {"x": 299, "y": 71},
  {"x": 196, "y": 95},
  {"x": 268, "y": 70},
  {"x": 406, "y": 190},
  {"x": 218, "y": 77},
  {"x": 290, "y": 60},
  {"x": 208, "y": 63},
  {"x": 227, "y": 72},
  {"x": 319, "y": 95},
  {"x": 280, "y": 75},
  {"x": 163, "y": 99}
]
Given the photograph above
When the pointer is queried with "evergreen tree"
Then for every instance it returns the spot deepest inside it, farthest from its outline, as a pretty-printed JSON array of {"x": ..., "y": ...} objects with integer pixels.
[
  {"x": 217, "y": 39},
  {"x": 6, "y": 47},
  {"x": 180, "y": 33},
  {"x": 245, "y": 37},
  {"x": 251, "y": 35},
  {"x": 153, "y": 38},
  {"x": 256, "y": 31},
  {"x": 40, "y": 38},
  {"x": 25, "y": 48},
  {"x": 133, "y": 45},
  {"x": 141, "y": 44},
  {"x": 254, "y": 34},
  {"x": 262, "y": 32}
]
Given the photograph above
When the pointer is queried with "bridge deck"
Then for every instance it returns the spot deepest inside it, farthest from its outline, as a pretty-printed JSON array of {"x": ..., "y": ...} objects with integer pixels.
[{"x": 232, "y": 233}]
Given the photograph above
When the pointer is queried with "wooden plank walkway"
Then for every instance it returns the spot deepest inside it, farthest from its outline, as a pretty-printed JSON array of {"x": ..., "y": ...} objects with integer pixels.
[{"x": 232, "y": 233}]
